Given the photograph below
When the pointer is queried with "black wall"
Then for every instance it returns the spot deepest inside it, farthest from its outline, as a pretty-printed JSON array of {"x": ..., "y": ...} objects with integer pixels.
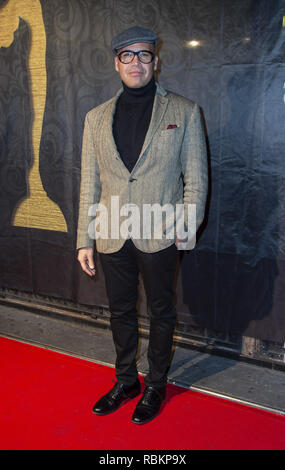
[{"x": 234, "y": 279}]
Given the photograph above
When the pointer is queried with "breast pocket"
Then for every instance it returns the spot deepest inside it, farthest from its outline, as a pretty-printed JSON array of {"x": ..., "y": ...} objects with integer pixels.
[
  {"x": 171, "y": 131},
  {"x": 169, "y": 139}
]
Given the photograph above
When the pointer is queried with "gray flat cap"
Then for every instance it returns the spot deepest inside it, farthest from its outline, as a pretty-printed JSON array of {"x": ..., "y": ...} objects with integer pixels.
[{"x": 132, "y": 35}]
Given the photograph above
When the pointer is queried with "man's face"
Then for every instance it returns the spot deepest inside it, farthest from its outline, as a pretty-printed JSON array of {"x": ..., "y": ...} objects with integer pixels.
[{"x": 136, "y": 74}]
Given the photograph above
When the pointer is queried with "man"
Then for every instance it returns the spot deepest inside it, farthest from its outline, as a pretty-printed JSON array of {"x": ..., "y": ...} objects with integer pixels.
[{"x": 143, "y": 147}]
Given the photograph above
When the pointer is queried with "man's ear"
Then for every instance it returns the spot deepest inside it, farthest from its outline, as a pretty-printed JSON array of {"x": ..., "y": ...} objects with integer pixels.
[
  {"x": 155, "y": 63},
  {"x": 116, "y": 60}
]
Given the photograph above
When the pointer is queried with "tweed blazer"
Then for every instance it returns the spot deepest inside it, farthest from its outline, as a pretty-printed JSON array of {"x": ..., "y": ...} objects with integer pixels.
[{"x": 171, "y": 169}]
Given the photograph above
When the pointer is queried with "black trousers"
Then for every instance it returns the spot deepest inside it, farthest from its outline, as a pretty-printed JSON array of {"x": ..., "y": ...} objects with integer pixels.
[{"x": 121, "y": 270}]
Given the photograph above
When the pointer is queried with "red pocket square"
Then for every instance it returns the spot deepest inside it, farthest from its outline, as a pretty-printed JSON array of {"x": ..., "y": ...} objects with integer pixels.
[{"x": 171, "y": 126}]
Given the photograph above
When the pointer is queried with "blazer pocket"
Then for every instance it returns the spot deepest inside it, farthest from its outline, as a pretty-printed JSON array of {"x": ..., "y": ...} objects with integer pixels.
[
  {"x": 173, "y": 131},
  {"x": 170, "y": 136}
]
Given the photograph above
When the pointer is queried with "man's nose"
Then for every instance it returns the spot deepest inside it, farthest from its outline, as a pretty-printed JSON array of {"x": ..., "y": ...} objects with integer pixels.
[{"x": 136, "y": 60}]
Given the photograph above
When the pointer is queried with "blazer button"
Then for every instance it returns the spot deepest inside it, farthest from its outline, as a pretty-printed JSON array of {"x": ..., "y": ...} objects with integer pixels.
[{"x": 132, "y": 179}]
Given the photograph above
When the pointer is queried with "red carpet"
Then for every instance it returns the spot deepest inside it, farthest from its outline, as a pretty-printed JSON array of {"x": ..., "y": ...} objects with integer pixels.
[{"x": 47, "y": 398}]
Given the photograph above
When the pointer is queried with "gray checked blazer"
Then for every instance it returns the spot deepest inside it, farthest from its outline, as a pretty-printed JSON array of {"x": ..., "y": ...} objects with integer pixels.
[{"x": 171, "y": 169}]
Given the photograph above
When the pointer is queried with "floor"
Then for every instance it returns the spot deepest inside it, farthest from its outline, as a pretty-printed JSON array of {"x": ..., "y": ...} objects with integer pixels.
[
  {"x": 51, "y": 395},
  {"x": 247, "y": 383}
]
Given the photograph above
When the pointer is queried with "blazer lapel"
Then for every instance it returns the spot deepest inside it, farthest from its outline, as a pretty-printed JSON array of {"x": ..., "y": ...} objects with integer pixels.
[
  {"x": 159, "y": 108},
  {"x": 109, "y": 116},
  {"x": 109, "y": 138}
]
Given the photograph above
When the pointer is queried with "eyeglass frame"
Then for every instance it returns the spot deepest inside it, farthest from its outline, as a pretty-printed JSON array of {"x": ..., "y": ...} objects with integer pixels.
[{"x": 136, "y": 53}]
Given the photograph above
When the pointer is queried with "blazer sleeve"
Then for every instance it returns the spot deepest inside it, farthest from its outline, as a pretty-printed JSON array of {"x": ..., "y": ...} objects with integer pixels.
[
  {"x": 90, "y": 187},
  {"x": 194, "y": 167}
]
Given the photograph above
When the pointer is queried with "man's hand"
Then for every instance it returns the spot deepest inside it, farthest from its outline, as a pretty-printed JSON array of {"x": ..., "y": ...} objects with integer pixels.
[
  {"x": 179, "y": 243},
  {"x": 85, "y": 258}
]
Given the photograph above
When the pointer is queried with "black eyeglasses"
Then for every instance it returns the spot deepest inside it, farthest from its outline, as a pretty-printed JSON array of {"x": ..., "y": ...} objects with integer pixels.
[{"x": 126, "y": 57}]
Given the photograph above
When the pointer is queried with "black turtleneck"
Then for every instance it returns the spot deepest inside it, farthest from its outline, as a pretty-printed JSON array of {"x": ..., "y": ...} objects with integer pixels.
[{"x": 131, "y": 121}]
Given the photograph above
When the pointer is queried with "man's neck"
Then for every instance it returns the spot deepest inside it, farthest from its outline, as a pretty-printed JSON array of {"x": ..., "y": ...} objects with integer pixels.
[{"x": 138, "y": 94}]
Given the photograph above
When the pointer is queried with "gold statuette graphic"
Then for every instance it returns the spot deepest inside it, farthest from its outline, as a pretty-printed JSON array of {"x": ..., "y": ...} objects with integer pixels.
[{"x": 37, "y": 210}]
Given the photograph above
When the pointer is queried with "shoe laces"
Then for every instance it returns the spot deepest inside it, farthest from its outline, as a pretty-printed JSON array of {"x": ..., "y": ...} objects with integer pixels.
[
  {"x": 117, "y": 391},
  {"x": 149, "y": 393}
]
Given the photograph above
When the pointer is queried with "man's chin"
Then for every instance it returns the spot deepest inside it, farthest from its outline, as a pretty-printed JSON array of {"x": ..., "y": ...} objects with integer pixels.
[{"x": 136, "y": 81}]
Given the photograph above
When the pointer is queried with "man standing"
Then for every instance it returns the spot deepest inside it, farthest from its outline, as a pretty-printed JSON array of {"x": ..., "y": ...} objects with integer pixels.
[{"x": 143, "y": 147}]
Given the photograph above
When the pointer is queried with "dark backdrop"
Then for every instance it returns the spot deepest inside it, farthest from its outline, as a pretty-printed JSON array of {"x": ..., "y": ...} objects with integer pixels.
[{"x": 234, "y": 279}]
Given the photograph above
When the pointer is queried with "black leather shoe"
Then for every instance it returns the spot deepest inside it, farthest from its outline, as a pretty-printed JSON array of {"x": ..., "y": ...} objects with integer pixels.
[
  {"x": 116, "y": 397},
  {"x": 149, "y": 405}
]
